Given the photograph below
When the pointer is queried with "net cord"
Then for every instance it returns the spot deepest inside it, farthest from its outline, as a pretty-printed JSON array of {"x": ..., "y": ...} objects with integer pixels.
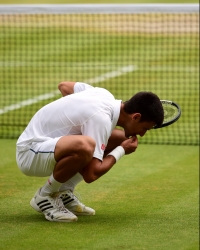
[{"x": 10, "y": 9}]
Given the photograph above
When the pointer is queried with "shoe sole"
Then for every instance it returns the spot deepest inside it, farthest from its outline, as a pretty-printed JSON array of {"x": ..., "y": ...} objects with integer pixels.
[
  {"x": 81, "y": 214},
  {"x": 66, "y": 221}
]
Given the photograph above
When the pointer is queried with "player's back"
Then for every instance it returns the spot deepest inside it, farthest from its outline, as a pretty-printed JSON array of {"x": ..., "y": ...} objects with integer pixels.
[{"x": 66, "y": 115}]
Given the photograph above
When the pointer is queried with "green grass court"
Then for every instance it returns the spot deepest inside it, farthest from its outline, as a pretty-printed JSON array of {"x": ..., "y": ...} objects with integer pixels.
[{"x": 150, "y": 199}]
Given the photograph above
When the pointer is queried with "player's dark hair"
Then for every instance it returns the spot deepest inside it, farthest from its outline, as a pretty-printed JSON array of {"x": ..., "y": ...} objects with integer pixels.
[{"x": 148, "y": 105}]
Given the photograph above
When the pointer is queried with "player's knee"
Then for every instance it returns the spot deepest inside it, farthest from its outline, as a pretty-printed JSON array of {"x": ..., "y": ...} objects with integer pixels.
[
  {"x": 87, "y": 147},
  {"x": 90, "y": 146}
]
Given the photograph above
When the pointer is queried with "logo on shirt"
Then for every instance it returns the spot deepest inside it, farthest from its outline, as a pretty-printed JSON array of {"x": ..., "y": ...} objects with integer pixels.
[
  {"x": 49, "y": 182},
  {"x": 103, "y": 147}
]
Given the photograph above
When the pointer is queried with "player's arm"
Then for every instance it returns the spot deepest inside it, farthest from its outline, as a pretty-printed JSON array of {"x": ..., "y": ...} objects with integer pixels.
[
  {"x": 96, "y": 168},
  {"x": 66, "y": 88},
  {"x": 116, "y": 138}
]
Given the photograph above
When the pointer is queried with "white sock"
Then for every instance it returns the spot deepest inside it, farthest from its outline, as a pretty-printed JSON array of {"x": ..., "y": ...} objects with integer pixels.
[
  {"x": 71, "y": 183},
  {"x": 51, "y": 186}
]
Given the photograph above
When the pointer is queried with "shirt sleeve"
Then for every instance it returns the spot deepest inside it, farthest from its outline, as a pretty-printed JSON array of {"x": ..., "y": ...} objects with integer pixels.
[
  {"x": 80, "y": 86},
  {"x": 99, "y": 128}
]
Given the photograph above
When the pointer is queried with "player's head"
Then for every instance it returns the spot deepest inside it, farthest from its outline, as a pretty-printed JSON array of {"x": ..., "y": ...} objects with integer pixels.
[
  {"x": 148, "y": 105},
  {"x": 142, "y": 112}
]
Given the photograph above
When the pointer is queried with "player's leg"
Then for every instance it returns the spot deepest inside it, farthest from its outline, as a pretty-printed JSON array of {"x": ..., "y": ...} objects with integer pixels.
[
  {"x": 117, "y": 137},
  {"x": 72, "y": 154},
  {"x": 69, "y": 199},
  {"x": 82, "y": 153}
]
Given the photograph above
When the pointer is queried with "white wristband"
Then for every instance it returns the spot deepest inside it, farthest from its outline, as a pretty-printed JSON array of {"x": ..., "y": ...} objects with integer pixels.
[{"x": 118, "y": 152}]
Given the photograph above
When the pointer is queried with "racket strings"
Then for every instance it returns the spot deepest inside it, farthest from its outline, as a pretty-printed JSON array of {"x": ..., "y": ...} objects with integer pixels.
[{"x": 170, "y": 112}]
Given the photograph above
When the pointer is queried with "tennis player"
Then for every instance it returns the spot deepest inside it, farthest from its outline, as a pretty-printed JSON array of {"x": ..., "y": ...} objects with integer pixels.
[{"x": 75, "y": 138}]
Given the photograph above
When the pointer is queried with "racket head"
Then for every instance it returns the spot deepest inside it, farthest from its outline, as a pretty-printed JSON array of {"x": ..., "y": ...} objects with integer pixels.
[{"x": 172, "y": 113}]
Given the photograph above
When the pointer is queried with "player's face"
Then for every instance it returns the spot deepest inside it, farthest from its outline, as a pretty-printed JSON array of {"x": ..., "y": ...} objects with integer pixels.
[{"x": 135, "y": 127}]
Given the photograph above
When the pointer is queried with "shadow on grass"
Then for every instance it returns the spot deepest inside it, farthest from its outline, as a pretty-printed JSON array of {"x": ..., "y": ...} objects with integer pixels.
[{"x": 100, "y": 218}]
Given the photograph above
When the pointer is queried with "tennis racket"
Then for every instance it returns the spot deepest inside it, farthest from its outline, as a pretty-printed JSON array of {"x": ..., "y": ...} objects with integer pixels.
[{"x": 172, "y": 113}]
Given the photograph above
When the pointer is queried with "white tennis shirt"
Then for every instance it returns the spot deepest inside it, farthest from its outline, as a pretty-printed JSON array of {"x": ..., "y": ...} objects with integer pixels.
[{"x": 89, "y": 111}]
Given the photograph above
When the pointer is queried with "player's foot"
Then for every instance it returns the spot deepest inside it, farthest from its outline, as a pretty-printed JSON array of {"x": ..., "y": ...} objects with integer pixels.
[
  {"x": 72, "y": 203},
  {"x": 52, "y": 207}
]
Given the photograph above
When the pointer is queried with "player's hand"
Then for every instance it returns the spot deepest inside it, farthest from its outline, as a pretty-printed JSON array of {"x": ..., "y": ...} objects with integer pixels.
[{"x": 130, "y": 145}]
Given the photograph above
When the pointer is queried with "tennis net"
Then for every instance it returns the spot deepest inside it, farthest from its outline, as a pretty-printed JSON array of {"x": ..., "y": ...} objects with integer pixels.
[{"x": 124, "y": 48}]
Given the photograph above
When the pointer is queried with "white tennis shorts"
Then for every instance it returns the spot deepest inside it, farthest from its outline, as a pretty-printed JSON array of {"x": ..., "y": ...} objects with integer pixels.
[{"x": 39, "y": 159}]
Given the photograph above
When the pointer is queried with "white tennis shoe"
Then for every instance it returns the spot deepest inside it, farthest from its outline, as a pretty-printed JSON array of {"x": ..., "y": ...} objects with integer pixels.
[
  {"x": 52, "y": 207},
  {"x": 72, "y": 203}
]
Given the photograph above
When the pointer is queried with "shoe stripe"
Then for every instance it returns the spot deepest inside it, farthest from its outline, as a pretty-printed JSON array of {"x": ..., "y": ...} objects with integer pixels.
[
  {"x": 48, "y": 204},
  {"x": 41, "y": 202},
  {"x": 66, "y": 197},
  {"x": 44, "y": 205},
  {"x": 66, "y": 201},
  {"x": 46, "y": 208}
]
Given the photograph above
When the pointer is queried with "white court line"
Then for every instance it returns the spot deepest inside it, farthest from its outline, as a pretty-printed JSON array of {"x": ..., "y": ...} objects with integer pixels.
[
  {"x": 46, "y": 96},
  {"x": 28, "y": 102},
  {"x": 112, "y": 74}
]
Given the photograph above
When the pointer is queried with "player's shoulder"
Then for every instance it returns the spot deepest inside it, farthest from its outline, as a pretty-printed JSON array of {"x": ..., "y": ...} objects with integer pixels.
[
  {"x": 81, "y": 86},
  {"x": 102, "y": 90}
]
